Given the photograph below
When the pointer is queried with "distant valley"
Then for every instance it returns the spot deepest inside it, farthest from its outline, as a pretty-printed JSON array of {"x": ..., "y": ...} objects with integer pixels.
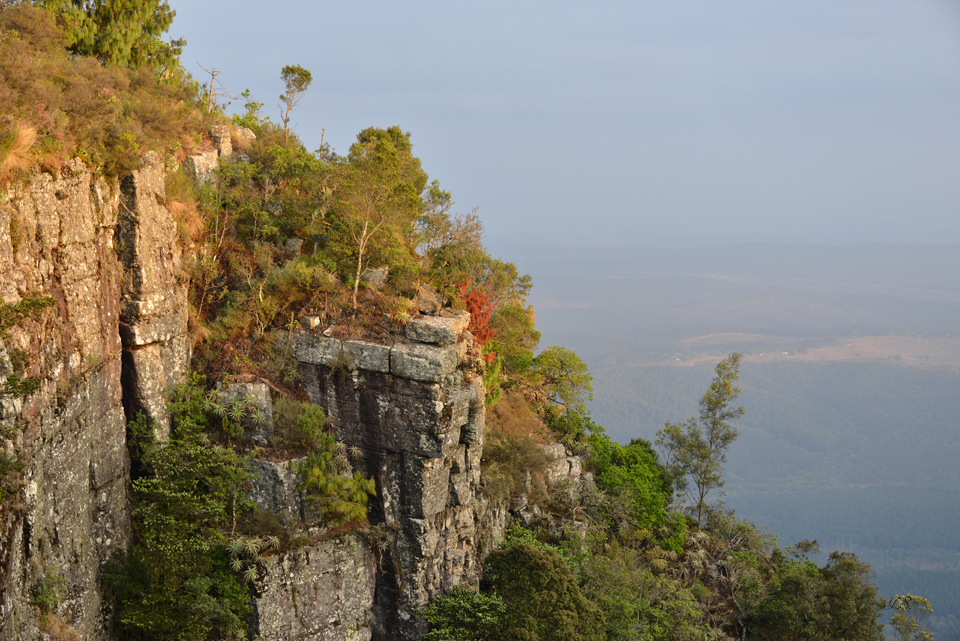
[{"x": 851, "y": 383}]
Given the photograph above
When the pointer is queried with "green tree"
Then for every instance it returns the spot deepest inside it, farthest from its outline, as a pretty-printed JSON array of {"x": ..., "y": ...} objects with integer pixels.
[
  {"x": 851, "y": 599},
  {"x": 174, "y": 582},
  {"x": 121, "y": 32},
  {"x": 507, "y": 286},
  {"x": 907, "y": 623},
  {"x": 565, "y": 379},
  {"x": 543, "y": 601},
  {"x": 464, "y": 615},
  {"x": 296, "y": 79},
  {"x": 807, "y": 603},
  {"x": 515, "y": 336},
  {"x": 635, "y": 472},
  {"x": 379, "y": 192},
  {"x": 697, "y": 449},
  {"x": 449, "y": 244}
]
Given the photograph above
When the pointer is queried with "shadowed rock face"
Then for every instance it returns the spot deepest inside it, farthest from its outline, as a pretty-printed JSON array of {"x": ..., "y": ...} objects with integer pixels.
[
  {"x": 107, "y": 252},
  {"x": 417, "y": 412}
]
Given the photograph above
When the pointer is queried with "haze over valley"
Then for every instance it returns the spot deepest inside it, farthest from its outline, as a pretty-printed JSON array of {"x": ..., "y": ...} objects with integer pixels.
[{"x": 850, "y": 383}]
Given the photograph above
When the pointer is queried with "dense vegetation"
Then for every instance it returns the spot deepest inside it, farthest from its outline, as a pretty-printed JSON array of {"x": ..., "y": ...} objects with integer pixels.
[
  {"x": 363, "y": 241},
  {"x": 859, "y": 455}
]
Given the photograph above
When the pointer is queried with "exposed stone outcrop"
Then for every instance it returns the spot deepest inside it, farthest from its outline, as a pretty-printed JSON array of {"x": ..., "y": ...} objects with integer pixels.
[
  {"x": 320, "y": 592},
  {"x": 57, "y": 239},
  {"x": 416, "y": 411},
  {"x": 200, "y": 165},
  {"x": 323, "y": 588},
  {"x": 153, "y": 306},
  {"x": 221, "y": 139},
  {"x": 108, "y": 252},
  {"x": 560, "y": 467},
  {"x": 258, "y": 426}
]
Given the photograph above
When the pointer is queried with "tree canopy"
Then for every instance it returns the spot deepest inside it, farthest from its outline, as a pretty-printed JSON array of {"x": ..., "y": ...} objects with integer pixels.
[
  {"x": 121, "y": 32},
  {"x": 697, "y": 449}
]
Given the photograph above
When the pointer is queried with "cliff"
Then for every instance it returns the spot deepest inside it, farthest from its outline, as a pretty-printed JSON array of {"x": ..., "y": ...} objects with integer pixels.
[
  {"x": 415, "y": 409},
  {"x": 107, "y": 252}
]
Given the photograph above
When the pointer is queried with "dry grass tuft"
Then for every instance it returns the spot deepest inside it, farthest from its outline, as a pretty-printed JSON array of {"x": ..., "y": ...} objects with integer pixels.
[
  {"x": 189, "y": 220},
  {"x": 513, "y": 416},
  {"x": 15, "y": 148},
  {"x": 240, "y": 143},
  {"x": 106, "y": 115},
  {"x": 58, "y": 629}
]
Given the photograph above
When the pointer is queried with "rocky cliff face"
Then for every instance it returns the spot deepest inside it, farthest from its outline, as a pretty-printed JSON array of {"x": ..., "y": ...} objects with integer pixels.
[
  {"x": 416, "y": 410},
  {"x": 106, "y": 251}
]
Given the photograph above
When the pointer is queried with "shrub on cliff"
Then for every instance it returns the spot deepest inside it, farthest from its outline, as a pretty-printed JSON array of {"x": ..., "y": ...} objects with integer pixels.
[
  {"x": 634, "y": 472},
  {"x": 465, "y": 615},
  {"x": 541, "y": 596},
  {"x": 174, "y": 582},
  {"x": 76, "y": 106}
]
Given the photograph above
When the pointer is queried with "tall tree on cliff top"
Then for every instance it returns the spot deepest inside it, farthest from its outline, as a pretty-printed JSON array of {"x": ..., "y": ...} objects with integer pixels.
[
  {"x": 121, "y": 32},
  {"x": 379, "y": 194},
  {"x": 296, "y": 79},
  {"x": 696, "y": 450}
]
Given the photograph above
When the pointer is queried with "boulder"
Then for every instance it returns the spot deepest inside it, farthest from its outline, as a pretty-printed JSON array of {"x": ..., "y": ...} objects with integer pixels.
[
  {"x": 221, "y": 139},
  {"x": 427, "y": 301},
  {"x": 437, "y": 330},
  {"x": 200, "y": 166},
  {"x": 375, "y": 277}
]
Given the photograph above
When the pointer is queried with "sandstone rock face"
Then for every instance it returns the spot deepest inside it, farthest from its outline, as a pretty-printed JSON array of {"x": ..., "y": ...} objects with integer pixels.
[
  {"x": 57, "y": 238},
  {"x": 153, "y": 306},
  {"x": 442, "y": 330},
  {"x": 375, "y": 277},
  {"x": 107, "y": 251},
  {"x": 321, "y": 592},
  {"x": 417, "y": 413},
  {"x": 200, "y": 166},
  {"x": 221, "y": 139},
  {"x": 561, "y": 467},
  {"x": 259, "y": 427}
]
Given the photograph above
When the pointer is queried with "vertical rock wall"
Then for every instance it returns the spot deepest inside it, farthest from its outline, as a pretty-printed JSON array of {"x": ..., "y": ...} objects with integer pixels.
[
  {"x": 153, "y": 308},
  {"x": 59, "y": 237},
  {"x": 322, "y": 590},
  {"x": 416, "y": 410}
]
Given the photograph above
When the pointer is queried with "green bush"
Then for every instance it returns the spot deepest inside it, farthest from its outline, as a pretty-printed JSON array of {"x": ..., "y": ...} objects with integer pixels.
[
  {"x": 465, "y": 615},
  {"x": 174, "y": 582},
  {"x": 635, "y": 472},
  {"x": 298, "y": 425},
  {"x": 541, "y": 596},
  {"x": 328, "y": 484}
]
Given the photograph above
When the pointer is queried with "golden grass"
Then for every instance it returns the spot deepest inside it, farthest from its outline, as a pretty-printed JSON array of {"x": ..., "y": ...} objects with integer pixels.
[
  {"x": 58, "y": 629},
  {"x": 513, "y": 416},
  {"x": 189, "y": 219},
  {"x": 15, "y": 148}
]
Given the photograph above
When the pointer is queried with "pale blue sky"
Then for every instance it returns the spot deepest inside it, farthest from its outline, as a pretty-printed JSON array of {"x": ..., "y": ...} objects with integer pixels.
[{"x": 632, "y": 122}]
